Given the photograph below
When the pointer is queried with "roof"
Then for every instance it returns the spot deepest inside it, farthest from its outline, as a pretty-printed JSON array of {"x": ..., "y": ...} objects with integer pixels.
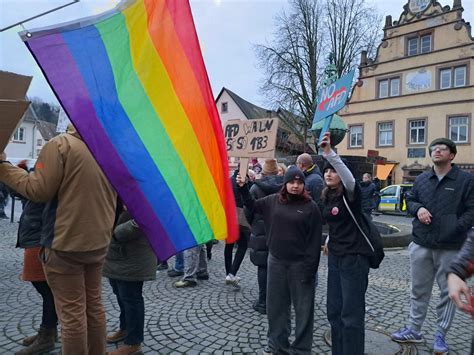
[
  {"x": 47, "y": 129},
  {"x": 250, "y": 110}
]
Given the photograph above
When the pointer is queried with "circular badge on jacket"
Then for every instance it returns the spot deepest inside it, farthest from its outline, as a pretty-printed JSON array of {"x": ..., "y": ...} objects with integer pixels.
[{"x": 335, "y": 211}]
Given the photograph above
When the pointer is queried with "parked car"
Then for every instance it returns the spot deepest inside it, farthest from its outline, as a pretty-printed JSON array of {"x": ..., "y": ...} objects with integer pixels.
[{"x": 393, "y": 198}]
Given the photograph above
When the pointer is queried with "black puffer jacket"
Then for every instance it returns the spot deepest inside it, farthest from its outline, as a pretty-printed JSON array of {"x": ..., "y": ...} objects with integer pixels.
[
  {"x": 314, "y": 183},
  {"x": 463, "y": 264},
  {"x": 29, "y": 229},
  {"x": 258, "y": 243},
  {"x": 450, "y": 202}
]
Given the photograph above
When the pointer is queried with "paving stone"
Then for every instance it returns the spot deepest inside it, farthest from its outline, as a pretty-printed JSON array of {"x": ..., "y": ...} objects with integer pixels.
[{"x": 212, "y": 317}]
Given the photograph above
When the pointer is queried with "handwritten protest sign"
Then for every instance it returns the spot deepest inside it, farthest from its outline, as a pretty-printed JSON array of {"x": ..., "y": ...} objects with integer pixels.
[{"x": 250, "y": 139}]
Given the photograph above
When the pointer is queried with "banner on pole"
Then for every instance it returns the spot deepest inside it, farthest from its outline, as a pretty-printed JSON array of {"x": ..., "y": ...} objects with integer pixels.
[{"x": 333, "y": 97}]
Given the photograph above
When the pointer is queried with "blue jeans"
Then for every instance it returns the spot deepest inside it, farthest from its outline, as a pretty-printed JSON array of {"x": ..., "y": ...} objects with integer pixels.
[
  {"x": 347, "y": 283},
  {"x": 179, "y": 262},
  {"x": 132, "y": 309},
  {"x": 285, "y": 287}
]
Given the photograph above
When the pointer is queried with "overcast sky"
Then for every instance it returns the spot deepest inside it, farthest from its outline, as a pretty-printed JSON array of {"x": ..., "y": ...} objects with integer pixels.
[{"x": 227, "y": 29}]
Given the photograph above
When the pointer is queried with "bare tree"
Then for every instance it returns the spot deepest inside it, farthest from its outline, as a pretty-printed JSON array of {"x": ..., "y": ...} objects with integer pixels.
[
  {"x": 292, "y": 64},
  {"x": 352, "y": 26},
  {"x": 305, "y": 37}
]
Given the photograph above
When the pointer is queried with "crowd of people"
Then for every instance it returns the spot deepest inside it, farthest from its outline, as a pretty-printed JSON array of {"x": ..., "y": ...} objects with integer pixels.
[{"x": 74, "y": 231}]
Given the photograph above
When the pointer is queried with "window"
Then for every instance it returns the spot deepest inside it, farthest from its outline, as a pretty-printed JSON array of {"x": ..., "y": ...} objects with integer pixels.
[
  {"x": 459, "y": 129},
  {"x": 417, "y": 131},
  {"x": 224, "y": 107},
  {"x": 356, "y": 137},
  {"x": 385, "y": 131},
  {"x": 416, "y": 153},
  {"x": 389, "y": 191},
  {"x": 419, "y": 44},
  {"x": 39, "y": 141},
  {"x": 453, "y": 77},
  {"x": 389, "y": 87},
  {"x": 19, "y": 135}
]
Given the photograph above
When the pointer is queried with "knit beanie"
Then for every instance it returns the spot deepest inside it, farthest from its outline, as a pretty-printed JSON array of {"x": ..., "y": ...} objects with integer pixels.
[
  {"x": 448, "y": 142},
  {"x": 270, "y": 167},
  {"x": 293, "y": 173}
]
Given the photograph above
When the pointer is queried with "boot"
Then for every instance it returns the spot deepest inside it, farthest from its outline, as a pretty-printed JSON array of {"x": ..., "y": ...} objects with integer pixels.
[
  {"x": 44, "y": 342},
  {"x": 127, "y": 349},
  {"x": 29, "y": 340}
]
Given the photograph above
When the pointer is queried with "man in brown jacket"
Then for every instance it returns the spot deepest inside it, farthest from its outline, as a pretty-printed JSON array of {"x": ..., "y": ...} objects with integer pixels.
[{"x": 77, "y": 228}]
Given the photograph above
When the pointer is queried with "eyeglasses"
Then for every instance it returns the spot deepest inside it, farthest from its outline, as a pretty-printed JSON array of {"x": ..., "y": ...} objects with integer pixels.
[{"x": 441, "y": 148}]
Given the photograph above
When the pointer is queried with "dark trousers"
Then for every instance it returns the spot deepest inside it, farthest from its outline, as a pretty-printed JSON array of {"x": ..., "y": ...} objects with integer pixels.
[
  {"x": 262, "y": 284},
  {"x": 233, "y": 267},
  {"x": 285, "y": 287},
  {"x": 132, "y": 309},
  {"x": 347, "y": 284},
  {"x": 49, "y": 319}
]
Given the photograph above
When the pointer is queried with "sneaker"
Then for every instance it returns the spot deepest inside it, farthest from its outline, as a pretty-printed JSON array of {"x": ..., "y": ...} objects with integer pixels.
[
  {"x": 127, "y": 349},
  {"x": 202, "y": 275},
  {"x": 232, "y": 280},
  {"x": 174, "y": 273},
  {"x": 116, "y": 336},
  {"x": 440, "y": 346},
  {"x": 185, "y": 283},
  {"x": 407, "y": 335}
]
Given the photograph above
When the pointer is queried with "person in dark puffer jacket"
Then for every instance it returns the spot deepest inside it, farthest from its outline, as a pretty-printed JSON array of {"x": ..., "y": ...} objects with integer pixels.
[
  {"x": 129, "y": 262},
  {"x": 442, "y": 201},
  {"x": 269, "y": 184}
]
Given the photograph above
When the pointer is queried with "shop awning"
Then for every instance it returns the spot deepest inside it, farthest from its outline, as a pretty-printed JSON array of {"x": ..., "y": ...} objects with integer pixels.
[{"x": 384, "y": 170}]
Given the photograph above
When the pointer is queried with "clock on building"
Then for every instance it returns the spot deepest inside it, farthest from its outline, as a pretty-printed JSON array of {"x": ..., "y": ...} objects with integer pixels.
[{"x": 417, "y": 6}]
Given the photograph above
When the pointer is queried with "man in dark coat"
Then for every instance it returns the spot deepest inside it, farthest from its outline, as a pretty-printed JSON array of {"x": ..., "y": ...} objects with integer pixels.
[
  {"x": 367, "y": 192},
  {"x": 313, "y": 181},
  {"x": 442, "y": 201}
]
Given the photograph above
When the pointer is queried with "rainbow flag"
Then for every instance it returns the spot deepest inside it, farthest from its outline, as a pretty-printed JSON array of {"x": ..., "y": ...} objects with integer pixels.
[{"x": 134, "y": 84}]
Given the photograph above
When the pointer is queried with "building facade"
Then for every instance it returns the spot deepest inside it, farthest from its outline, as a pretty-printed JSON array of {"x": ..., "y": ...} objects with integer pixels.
[
  {"x": 28, "y": 139},
  {"x": 420, "y": 86}
]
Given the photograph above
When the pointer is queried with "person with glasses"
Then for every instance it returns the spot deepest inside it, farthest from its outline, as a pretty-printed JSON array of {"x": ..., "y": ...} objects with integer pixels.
[{"x": 442, "y": 201}]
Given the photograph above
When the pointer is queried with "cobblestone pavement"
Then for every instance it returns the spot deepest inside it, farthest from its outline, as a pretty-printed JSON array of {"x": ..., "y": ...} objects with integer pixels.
[{"x": 215, "y": 318}]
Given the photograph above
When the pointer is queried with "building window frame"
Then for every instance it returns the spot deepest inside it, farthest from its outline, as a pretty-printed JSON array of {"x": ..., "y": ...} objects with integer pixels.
[
  {"x": 419, "y": 38},
  {"x": 377, "y": 134},
  {"x": 349, "y": 139},
  {"x": 468, "y": 117},
  {"x": 20, "y": 135},
  {"x": 409, "y": 130},
  {"x": 224, "y": 107},
  {"x": 451, "y": 69},
  {"x": 390, "y": 88}
]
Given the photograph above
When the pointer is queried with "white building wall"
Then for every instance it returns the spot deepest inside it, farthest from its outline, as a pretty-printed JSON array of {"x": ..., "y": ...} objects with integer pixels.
[{"x": 233, "y": 111}]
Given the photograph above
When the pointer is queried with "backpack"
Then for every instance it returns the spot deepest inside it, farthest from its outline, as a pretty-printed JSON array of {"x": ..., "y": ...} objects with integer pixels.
[{"x": 371, "y": 235}]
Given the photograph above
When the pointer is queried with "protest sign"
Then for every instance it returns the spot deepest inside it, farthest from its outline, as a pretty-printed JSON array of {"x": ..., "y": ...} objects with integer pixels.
[
  {"x": 250, "y": 139},
  {"x": 13, "y": 88},
  {"x": 331, "y": 99}
]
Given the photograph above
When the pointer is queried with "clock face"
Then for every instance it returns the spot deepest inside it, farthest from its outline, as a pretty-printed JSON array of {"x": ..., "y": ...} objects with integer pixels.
[{"x": 417, "y": 6}]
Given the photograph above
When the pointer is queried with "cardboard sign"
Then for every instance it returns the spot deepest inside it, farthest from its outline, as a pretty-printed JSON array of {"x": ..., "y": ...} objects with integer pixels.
[
  {"x": 13, "y": 88},
  {"x": 12, "y": 112},
  {"x": 333, "y": 97},
  {"x": 251, "y": 138}
]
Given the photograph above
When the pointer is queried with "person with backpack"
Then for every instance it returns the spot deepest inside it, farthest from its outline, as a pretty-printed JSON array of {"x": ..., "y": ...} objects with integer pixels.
[{"x": 348, "y": 259}]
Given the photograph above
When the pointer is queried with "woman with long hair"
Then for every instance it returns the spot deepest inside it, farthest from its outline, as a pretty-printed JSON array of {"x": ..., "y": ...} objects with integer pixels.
[
  {"x": 348, "y": 264},
  {"x": 294, "y": 228}
]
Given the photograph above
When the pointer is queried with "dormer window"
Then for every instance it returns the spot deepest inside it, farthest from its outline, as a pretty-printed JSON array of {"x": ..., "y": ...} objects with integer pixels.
[{"x": 419, "y": 44}]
